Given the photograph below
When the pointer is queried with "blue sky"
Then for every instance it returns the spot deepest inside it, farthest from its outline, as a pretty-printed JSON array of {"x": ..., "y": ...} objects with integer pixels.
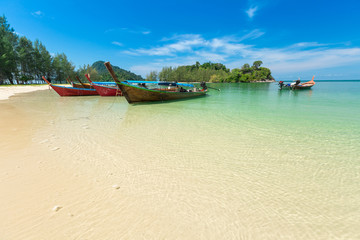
[{"x": 293, "y": 38}]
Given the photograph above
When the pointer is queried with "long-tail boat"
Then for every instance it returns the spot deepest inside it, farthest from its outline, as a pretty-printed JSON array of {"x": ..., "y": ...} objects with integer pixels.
[
  {"x": 105, "y": 90},
  {"x": 143, "y": 93},
  {"x": 297, "y": 85},
  {"x": 81, "y": 84},
  {"x": 71, "y": 91}
]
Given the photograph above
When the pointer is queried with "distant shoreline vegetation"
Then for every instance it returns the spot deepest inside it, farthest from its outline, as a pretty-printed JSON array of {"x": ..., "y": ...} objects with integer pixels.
[
  {"x": 213, "y": 72},
  {"x": 24, "y": 62}
]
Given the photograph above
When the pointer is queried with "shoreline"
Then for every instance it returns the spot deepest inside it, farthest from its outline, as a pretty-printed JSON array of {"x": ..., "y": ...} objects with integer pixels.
[{"x": 7, "y": 91}]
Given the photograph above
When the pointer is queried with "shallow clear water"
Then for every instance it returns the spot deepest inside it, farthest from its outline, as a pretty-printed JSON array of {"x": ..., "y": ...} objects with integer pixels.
[{"x": 248, "y": 161}]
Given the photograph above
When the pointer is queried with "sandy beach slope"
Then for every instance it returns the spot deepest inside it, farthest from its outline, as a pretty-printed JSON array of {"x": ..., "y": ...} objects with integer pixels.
[{"x": 8, "y": 91}]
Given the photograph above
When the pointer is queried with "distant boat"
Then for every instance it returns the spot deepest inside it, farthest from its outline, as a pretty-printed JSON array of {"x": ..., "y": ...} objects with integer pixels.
[
  {"x": 71, "y": 91},
  {"x": 143, "y": 93},
  {"x": 105, "y": 90},
  {"x": 297, "y": 85}
]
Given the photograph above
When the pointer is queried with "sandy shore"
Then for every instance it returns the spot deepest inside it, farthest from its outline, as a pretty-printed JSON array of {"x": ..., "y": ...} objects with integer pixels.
[
  {"x": 98, "y": 168},
  {"x": 7, "y": 91}
]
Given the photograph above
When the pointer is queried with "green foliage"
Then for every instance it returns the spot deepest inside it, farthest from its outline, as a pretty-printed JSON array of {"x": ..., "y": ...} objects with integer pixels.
[
  {"x": 26, "y": 59},
  {"x": 87, "y": 69},
  {"x": 8, "y": 55},
  {"x": 62, "y": 67},
  {"x": 216, "y": 72},
  {"x": 120, "y": 73},
  {"x": 23, "y": 60},
  {"x": 43, "y": 61},
  {"x": 166, "y": 74},
  {"x": 152, "y": 76},
  {"x": 257, "y": 64}
]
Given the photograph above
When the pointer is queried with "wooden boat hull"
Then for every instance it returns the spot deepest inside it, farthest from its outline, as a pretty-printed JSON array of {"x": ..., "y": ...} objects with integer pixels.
[
  {"x": 71, "y": 91},
  {"x": 107, "y": 91},
  {"x": 303, "y": 86},
  {"x": 84, "y": 85},
  {"x": 296, "y": 87},
  {"x": 135, "y": 94}
]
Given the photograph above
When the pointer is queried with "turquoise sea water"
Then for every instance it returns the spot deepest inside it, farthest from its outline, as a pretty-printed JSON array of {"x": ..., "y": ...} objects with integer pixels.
[{"x": 248, "y": 161}]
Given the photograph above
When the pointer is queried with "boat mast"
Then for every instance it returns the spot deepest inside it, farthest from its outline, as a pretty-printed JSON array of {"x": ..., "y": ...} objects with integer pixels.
[
  {"x": 77, "y": 77},
  {"x": 68, "y": 81},
  {"x": 111, "y": 71},
  {"x": 88, "y": 78}
]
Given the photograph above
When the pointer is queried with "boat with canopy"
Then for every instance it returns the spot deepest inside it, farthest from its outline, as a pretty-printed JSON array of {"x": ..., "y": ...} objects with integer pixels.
[
  {"x": 297, "y": 85},
  {"x": 148, "y": 91}
]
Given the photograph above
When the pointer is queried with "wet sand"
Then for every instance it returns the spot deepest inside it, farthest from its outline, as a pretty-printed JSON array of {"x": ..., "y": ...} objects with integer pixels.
[
  {"x": 8, "y": 91},
  {"x": 44, "y": 194}
]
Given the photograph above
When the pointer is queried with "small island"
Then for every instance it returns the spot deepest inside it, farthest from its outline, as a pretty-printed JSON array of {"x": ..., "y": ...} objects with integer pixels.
[{"x": 213, "y": 73}]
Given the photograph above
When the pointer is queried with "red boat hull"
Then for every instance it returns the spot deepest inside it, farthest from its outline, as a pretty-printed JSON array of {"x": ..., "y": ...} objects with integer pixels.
[
  {"x": 71, "y": 91},
  {"x": 107, "y": 91}
]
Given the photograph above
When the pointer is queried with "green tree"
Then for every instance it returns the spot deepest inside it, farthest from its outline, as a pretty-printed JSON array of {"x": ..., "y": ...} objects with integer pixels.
[
  {"x": 87, "y": 69},
  {"x": 166, "y": 74},
  {"x": 37, "y": 59},
  {"x": 42, "y": 61},
  {"x": 234, "y": 75},
  {"x": 62, "y": 67},
  {"x": 46, "y": 62},
  {"x": 257, "y": 64},
  {"x": 120, "y": 73},
  {"x": 8, "y": 55},
  {"x": 26, "y": 60},
  {"x": 152, "y": 76}
]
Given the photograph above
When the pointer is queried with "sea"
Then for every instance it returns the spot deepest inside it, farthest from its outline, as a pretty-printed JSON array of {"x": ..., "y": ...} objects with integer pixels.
[{"x": 247, "y": 161}]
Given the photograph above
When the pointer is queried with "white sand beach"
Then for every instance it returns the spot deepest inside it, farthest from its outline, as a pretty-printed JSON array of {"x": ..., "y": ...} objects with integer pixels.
[
  {"x": 8, "y": 91},
  {"x": 98, "y": 168}
]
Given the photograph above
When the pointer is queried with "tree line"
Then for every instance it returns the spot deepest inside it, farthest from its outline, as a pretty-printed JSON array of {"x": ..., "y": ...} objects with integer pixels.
[
  {"x": 212, "y": 72},
  {"x": 22, "y": 60}
]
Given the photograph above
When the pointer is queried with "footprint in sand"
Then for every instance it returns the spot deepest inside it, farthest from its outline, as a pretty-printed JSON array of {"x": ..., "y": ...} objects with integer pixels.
[{"x": 56, "y": 208}]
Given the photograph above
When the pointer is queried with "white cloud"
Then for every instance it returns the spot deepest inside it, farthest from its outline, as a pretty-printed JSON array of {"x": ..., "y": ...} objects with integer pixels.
[
  {"x": 251, "y": 11},
  {"x": 184, "y": 43},
  {"x": 143, "y": 70},
  {"x": 127, "y": 30},
  {"x": 117, "y": 43},
  {"x": 212, "y": 57},
  {"x": 229, "y": 50},
  {"x": 38, "y": 14},
  {"x": 307, "y": 45},
  {"x": 256, "y": 33}
]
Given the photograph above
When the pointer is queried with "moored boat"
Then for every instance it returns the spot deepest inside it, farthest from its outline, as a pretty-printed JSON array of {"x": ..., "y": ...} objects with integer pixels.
[
  {"x": 81, "y": 84},
  {"x": 143, "y": 93},
  {"x": 297, "y": 85},
  {"x": 71, "y": 91},
  {"x": 105, "y": 90}
]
